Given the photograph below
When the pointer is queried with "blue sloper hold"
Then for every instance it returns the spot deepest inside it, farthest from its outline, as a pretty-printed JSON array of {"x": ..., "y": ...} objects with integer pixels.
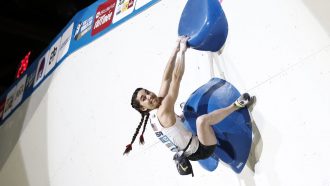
[
  {"x": 234, "y": 133},
  {"x": 205, "y": 23}
]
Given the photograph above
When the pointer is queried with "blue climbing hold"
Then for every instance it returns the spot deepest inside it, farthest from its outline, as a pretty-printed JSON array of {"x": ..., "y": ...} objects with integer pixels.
[
  {"x": 206, "y": 24},
  {"x": 234, "y": 133}
]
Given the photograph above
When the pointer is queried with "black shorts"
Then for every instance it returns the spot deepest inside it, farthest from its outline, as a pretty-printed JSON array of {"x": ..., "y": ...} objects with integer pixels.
[{"x": 202, "y": 152}]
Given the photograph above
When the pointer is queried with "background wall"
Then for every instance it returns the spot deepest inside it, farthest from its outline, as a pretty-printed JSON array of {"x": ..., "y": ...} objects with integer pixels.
[{"x": 78, "y": 122}]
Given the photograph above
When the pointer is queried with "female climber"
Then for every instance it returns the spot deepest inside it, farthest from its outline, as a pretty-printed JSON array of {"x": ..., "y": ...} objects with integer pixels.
[{"x": 159, "y": 110}]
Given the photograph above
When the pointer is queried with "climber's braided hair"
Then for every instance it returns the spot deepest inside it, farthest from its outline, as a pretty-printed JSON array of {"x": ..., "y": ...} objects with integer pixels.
[{"x": 144, "y": 119}]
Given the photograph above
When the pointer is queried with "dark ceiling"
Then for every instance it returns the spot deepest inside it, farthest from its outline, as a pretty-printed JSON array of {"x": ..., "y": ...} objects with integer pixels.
[{"x": 30, "y": 25}]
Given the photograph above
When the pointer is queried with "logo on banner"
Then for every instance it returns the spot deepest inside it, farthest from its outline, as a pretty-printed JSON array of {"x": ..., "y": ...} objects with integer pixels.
[
  {"x": 30, "y": 79},
  {"x": 9, "y": 102},
  {"x": 14, "y": 97},
  {"x": 83, "y": 28},
  {"x": 40, "y": 70},
  {"x": 2, "y": 107},
  {"x": 123, "y": 9},
  {"x": 18, "y": 95},
  {"x": 103, "y": 17},
  {"x": 52, "y": 57},
  {"x": 65, "y": 42},
  {"x": 124, "y": 5}
]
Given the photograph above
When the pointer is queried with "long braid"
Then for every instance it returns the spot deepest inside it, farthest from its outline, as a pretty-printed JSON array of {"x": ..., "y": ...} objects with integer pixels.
[
  {"x": 129, "y": 146},
  {"x": 144, "y": 120},
  {"x": 144, "y": 127}
]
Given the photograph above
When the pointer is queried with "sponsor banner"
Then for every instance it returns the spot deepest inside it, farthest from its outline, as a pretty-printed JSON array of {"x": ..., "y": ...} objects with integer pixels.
[
  {"x": 86, "y": 26},
  {"x": 123, "y": 8},
  {"x": 30, "y": 77},
  {"x": 41, "y": 69},
  {"x": 19, "y": 91},
  {"x": 65, "y": 42},
  {"x": 83, "y": 28},
  {"x": 2, "y": 107},
  {"x": 103, "y": 16},
  {"x": 9, "y": 102},
  {"x": 52, "y": 56}
]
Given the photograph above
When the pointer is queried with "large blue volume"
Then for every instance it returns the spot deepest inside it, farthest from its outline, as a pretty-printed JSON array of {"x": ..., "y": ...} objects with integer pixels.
[
  {"x": 234, "y": 133},
  {"x": 206, "y": 24}
]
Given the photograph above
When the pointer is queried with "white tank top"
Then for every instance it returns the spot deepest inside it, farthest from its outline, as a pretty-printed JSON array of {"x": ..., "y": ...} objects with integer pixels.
[{"x": 175, "y": 137}]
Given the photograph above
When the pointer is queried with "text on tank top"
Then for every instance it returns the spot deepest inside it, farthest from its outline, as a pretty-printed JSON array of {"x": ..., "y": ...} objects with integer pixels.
[{"x": 175, "y": 137}]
